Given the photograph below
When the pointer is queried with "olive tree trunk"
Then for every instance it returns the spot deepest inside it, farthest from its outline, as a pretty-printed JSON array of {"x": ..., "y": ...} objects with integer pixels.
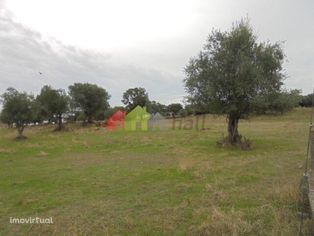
[
  {"x": 233, "y": 133},
  {"x": 20, "y": 129},
  {"x": 60, "y": 124}
]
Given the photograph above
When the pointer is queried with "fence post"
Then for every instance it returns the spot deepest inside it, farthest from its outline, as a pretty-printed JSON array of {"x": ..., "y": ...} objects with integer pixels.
[{"x": 312, "y": 148}]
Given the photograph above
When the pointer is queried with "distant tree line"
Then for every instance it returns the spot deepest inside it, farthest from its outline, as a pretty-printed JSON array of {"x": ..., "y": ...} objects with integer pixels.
[
  {"x": 89, "y": 102},
  {"x": 83, "y": 102},
  {"x": 307, "y": 100},
  {"x": 138, "y": 96}
]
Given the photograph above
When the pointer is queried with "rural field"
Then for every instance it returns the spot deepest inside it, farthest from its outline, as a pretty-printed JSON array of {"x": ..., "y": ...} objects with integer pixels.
[{"x": 174, "y": 182}]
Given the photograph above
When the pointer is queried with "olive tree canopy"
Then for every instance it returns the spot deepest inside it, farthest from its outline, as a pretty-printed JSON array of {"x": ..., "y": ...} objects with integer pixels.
[
  {"x": 54, "y": 103},
  {"x": 234, "y": 73},
  {"x": 135, "y": 97},
  {"x": 17, "y": 109},
  {"x": 89, "y": 99}
]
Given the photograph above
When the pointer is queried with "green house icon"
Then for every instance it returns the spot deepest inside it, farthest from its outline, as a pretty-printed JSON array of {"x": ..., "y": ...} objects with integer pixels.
[{"x": 137, "y": 119}]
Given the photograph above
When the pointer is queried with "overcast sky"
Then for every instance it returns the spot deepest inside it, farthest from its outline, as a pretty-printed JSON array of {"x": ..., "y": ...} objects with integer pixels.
[{"x": 120, "y": 44}]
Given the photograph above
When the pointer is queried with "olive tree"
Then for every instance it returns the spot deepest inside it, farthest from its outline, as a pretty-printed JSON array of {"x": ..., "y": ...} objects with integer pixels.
[
  {"x": 54, "y": 103},
  {"x": 174, "y": 108},
  {"x": 135, "y": 97},
  {"x": 17, "y": 109},
  {"x": 90, "y": 99},
  {"x": 233, "y": 73}
]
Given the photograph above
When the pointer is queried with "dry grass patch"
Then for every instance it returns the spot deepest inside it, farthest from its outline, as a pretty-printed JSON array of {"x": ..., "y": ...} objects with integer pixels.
[
  {"x": 222, "y": 223},
  {"x": 186, "y": 164}
]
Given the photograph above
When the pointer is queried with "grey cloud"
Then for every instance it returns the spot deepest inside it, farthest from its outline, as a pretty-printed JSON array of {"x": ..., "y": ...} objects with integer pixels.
[
  {"x": 24, "y": 53},
  {"x": 158, "y": 65}
]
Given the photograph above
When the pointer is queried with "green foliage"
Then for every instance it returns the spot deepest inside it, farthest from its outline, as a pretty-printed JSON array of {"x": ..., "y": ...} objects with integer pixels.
[
  {"x": 278, "y": 102},
  {"x": 4, "y": 117},
  {"x": 190, "y": 109},
  {"x": 134, "y": 97},
  {"x": 155, "y": 107},
  {"x": 183, "y": 113},
  {"x": 17, "y": 109},
  {"x": 174, "y": 108},
  {"x": 53, "y": 102},
  {"x": 234, "y": 73},
  {"x": 109, "y": 112},
  {"x": 37, "y": 111},
  {"x": 89, "y": 99},
  {"x": 307, "y": 101}
]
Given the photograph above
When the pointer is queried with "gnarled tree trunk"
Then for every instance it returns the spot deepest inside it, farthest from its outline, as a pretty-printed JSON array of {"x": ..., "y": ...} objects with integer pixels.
[
  {"x": 20, "y": 129},
  {"x": 233, "y": 134},
  {"x": 90, "y": 119},
  {"x": 60, "y": 124}
]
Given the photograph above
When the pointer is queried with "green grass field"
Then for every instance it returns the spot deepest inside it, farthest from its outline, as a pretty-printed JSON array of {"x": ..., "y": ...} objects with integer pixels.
[{"x": 94, "y": 182}]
